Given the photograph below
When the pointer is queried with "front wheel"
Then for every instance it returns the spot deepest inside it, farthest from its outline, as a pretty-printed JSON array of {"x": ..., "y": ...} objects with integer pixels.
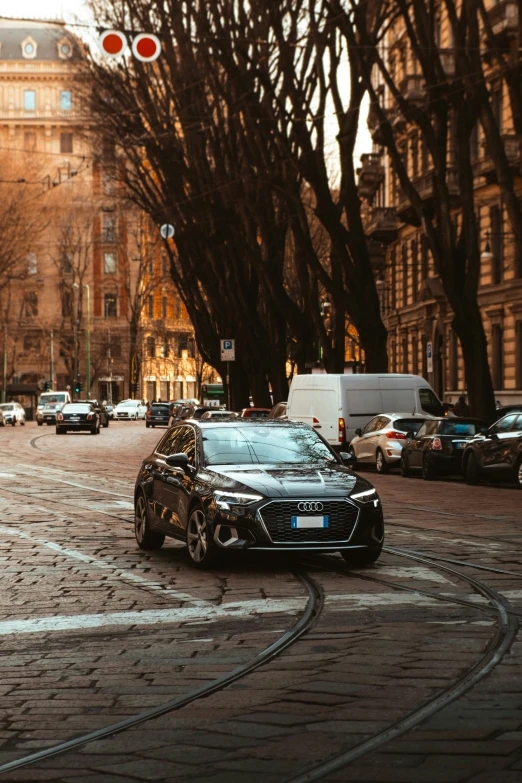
[
  {"x": 428, "y": 471},
  {"x": 23, "y": 422},
  {"x": 201, "y": 548},
  {"x": 94, "y": 431},
  {"x": 519, "y": 472},
  {"x": 405, "y": 468},
  {"x": 380, "y": 463},
  {"x": 40, "y": 423},
  {"x": 362, "y": 556},
  {"x": 145, "y": 537},
  {"x": 13, "y": 423},
  {"x": 106, "y": 424},
  {"x": 472, "y": 470}
]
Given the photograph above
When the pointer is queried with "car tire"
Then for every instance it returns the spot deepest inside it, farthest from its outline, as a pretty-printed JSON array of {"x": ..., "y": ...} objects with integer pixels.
[
  {"x": 380, "y": 463},
  {"x": 13, "y": 423},
  {"x": 40, "y": 423},
  {"x": 147, "y": 425},
  {"x": 351, "y": 450},
  {"x": 145, "y": 537},
  {"x": 518, "y": 472},
  {"x": 93, "y": 431},
  {"x": 106, "y": 425},
  {"x": 201, "y": 549},
  {"x": 405, "y": 468},
  {"x": 428, "y": 471},
  {"x": 22, "y": 423},
  {"x": 362, "y": 556},
  {"x": 60, "y": 431},
  {"x": 472, "y": 472}
]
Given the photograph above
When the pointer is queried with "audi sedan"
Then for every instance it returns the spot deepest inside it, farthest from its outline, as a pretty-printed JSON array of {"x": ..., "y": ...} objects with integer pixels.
[{"x": 255, "y": 485}]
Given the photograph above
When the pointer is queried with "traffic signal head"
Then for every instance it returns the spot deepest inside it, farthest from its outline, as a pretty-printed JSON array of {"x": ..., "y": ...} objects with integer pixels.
[{"x": 78, "y": 387}]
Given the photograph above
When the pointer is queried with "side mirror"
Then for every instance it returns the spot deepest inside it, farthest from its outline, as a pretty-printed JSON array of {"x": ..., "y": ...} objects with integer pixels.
[
  {"x": 358, "y": 432},
  {"x": 409, "y": 435},
  {"x": 347, "y": 458},
  {"x": 177, "y": 461}
]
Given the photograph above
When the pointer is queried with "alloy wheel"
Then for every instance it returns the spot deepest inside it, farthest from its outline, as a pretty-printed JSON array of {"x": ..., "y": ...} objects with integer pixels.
[
  {"x": 197, "y": 536},
  {"x": 141, "y": 519},
  {"x": 519, "y": 473}
]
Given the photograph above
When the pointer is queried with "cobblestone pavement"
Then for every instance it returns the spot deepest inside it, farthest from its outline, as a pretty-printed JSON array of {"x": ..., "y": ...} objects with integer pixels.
[{"x": 411, "y": 673}]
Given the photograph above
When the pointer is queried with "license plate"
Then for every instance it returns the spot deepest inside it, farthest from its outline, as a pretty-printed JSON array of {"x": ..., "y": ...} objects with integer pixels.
[
  {"x": 74, "y": 418},
  {"x": 460, "y": 445},
  {"x": 304, "y": 522}
]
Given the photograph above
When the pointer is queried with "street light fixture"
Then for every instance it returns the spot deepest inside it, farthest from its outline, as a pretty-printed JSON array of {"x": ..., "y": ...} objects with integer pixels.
[{"x": 87, "y": 337}]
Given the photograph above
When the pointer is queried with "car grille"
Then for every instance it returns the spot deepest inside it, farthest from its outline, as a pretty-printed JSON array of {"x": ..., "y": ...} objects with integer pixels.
[{"x": 277, "y": 517}]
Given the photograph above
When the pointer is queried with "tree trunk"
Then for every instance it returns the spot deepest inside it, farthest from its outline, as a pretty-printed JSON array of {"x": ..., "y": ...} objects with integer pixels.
[{"x": 470, "y": 330}]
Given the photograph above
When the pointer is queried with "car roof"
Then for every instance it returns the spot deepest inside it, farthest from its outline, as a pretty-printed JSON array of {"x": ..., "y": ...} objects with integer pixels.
[
  {"x": 408, "y": 415},
  {"x": 240, "y": 422}
]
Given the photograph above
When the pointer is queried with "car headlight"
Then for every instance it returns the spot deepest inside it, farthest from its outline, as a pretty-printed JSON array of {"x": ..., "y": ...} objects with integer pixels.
[
  {"x": 226, "y": 500},
  {"x": 366, "y": 496}
]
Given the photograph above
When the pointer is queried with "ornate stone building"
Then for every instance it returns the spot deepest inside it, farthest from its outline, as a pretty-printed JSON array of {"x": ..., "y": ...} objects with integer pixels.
[{"x": 415, "y": 310}]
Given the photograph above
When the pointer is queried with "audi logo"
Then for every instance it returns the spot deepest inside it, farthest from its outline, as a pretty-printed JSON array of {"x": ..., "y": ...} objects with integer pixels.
[{"x": 310, "y": 505}]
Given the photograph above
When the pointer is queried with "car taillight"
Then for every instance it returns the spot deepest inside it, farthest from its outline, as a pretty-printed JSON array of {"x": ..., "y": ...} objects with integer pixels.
[
  {"x": 89, "y": 416},
  {"x": 148, "y": 413},
  {"x": 437, "y": 444},
  {"x": 396, "y": 435},
  {"x": 60, "y": 417},
  {"x": 342, "y": 427}
]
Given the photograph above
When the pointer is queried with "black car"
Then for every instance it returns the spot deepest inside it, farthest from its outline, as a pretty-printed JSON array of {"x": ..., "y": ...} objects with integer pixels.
[
  {"x": 270, "y": 486},
  {"x": 77, "y": 417},
  {"x": 100, "y": 409},
  {"x": 438, "y": 446},
  {"x": 159, "y": 414},
  {"x": 496, "y": 453}
]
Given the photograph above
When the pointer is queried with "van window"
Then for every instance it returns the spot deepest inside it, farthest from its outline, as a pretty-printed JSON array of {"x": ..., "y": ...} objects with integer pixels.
[{"x": 430, "y": 403}]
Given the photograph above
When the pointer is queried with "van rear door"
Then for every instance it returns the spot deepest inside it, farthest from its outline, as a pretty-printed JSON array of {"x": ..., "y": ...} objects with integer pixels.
[{"x": 318, "y": 408}]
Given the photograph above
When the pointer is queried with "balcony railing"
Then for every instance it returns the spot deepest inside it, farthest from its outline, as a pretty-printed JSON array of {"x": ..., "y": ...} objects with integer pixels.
[
  {"x": 413, "y": 88},
  {"x": 503, "y": 17},
  {"x": 371, "y": 174},
  {"x": 423, "y": 184},
  {"x": 41, "y": 114},
  {"x": 381, "y": 224}
]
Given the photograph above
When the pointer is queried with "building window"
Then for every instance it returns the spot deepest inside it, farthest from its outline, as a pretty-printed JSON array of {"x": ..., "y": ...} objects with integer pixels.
[
  {"x": 164, "y": 307},
  {"x": 30, "y": 100},
  {"x": 165, "y": 350},
  {"x": 31, "y": 304},
  {"x": 425, "y": 260},
  {"x": 150, "y": 306},
  {"x": 404, "y": 252},
  {"x": 405, "y": 355},
  {"x": 108, "y": 182},
  {"x": 109, "y": 263},
  {"x": 64, "y": 50},
  {"x": 518, "y": 355},
  {"x": 110, "y": 306},
  {"x": 495, "y": 225},
  {"x": 109, "y": 228},
  {"x": 31, "y": 343},
  {"x": 151, "y": 347},
  {"x": 453, "y": 361},
  {"x": 497, "y": 356},
  {"x": 29, "y": 141},
  {"x": 414, "y": 271},
  {"x": 414, "y": 355},
  {"x": 32, "y": 264},
  {"x": 66, "y": 100},
  {"x": 66, "y": 142},
  {"x": 29, "y": 49}
]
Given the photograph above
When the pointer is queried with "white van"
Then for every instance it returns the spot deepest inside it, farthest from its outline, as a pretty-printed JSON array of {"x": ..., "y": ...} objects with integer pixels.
[
  {"x": 337, "y": 405},
  {"x": 53, "y": 398}
]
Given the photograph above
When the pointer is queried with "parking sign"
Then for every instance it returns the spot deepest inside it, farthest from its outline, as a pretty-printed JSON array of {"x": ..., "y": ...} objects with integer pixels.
[
  {"x": 228, "y": 350},
  {"x": 429, "y": 356}
]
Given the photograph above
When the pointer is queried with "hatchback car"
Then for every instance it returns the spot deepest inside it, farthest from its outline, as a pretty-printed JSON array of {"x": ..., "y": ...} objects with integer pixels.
[
  {"x": 438, "y": 446},
  {"x": 130, "y": 410},
  {"x": 496, "y": 452},
  {"x": 13, "y": 413},
  {"x": 217, "y": 413},
  {"x": 255, "y": 413},
  {"x": 278, "y": 411},
  {"x": 380, "y": 441},
  {"x": 159, "y": 414},
  {"x": 264, "y": 486},
  {"x": 78, "y": 417}
]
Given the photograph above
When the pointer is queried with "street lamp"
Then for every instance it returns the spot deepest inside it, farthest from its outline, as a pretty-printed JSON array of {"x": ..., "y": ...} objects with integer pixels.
[{"x": 87, "y": 337}]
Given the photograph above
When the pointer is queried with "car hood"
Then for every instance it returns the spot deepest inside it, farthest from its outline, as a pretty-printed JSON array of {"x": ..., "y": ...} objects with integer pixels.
[{"x": 278, "y": 481}]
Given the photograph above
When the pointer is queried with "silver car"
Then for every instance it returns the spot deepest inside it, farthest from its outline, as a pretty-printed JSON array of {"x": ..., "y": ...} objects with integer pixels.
[
  {"x": 13, "y": 413},
  {"x": 380, "y": 441}
]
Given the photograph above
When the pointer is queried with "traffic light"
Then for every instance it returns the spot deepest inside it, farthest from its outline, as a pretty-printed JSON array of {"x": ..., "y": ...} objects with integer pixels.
[
  {"x": 47, "y": 386},
  {"x": 78, "y": 387}
]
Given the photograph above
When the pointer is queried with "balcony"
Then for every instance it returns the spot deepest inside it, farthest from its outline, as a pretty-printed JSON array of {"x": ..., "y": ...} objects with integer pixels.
[
  {"x": 381, "y": 225},
  {"x": 485, "y": 166},
  {"x": 447, "y": 59},
  {"x": 413, "y": 88},
  {"x": 423, "y": 184},
  {"x": 371, "y": 175},
  {"x": 503, "y": 17}
]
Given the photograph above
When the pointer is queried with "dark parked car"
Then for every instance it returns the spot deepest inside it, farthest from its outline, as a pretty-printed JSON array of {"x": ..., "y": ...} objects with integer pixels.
[
  {"x": 438, "y": 446},
  {"x": 496, "y": 453},
  {"x": 505, "y": 409},
  {"x": 100, "y": 409},
  {"x": 159, "y": 414},
  {"x": 77, "y": 417},
  {"x": 271, "y": 486}
]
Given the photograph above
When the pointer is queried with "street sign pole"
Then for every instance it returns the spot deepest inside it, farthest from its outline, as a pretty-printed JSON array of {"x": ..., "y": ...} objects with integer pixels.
[
  {"x": 228, "y": 385},
  {"x": 51, "y": 361},
  {"x": 228, "y": 354}
]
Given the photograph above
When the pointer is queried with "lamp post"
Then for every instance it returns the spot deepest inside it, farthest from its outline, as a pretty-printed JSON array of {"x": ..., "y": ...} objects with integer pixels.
[{"x": 87, "y": 338}]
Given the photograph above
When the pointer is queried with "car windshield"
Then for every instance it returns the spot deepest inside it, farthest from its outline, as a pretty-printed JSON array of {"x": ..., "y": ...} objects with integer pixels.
[
  {"x": 128, "y": 404},
  {"x": 259, "y": 444},
  {"x": 7, "y": 407},
  {"x": 455, "y": 427},
  {"x": 161, "y": 408},
  {"x": 407, "y": 425},
  {"x": 45, "y": 399},
  {"x": 76, "y": 408}
]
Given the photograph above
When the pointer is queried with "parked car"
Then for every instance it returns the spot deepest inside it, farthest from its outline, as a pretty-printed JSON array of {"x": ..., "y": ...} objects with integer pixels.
[
  {"x": 337, "y": 405},
  {"x": 13, "y": 413},
  {"x": 47, "y": 415},
  {"x": 254, "y": 413},
  {"x": 51, "y": 398},
  {"x": 438, "y": 446},
  {"x": 159, "y": 413},
  {"x": 78, "y": 417},
  {"x": 199, "y": 486},
  {"x": 505, "y": 409},
  {"x": 191, "y": 411},
  {"x": 2, "y": 420},
  {"x": 278, "y": 411},
  {"x": 100, "y": 409},
  {"x": 496, "y": 452},
  {"x": 109, "y": 407},
  {"x": 130, "y": 409},
  {"x": 380, "y": 441},
  {"x": 217, "y": 413}
]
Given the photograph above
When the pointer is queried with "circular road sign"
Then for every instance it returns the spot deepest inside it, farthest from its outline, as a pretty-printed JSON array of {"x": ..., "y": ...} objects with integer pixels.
[
  {"x": 167, "y": 231},
  {"x": 112, "y": 43},
  {"x": 146, "y": 47}
]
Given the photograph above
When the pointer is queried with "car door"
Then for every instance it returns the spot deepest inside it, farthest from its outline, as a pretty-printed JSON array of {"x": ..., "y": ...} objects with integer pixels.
[
  {"x": 494, "y": 449},
  {"x": 416, "y": 449},
  {"x": 163, "y": 449},
  {"x": 363, "y": 446},
  {"x": 373, "y": 438},
  {"x": 176, "y": 481}
]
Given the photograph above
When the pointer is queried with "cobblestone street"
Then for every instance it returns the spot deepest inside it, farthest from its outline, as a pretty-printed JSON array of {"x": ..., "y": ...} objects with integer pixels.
[{"x": 408, "y": 671}]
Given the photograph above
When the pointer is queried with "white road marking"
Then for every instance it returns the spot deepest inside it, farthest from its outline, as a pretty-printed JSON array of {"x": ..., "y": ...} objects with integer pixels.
[
  {"x": 152, "y": 616},
  {"x": 127, "y": 576},
  {"x": 7, "y": 475},
  {"x": 412, "y": 572}
]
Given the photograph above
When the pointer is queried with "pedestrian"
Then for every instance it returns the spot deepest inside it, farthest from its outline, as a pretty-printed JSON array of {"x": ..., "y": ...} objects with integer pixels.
[{"x": 462, "y": 408}]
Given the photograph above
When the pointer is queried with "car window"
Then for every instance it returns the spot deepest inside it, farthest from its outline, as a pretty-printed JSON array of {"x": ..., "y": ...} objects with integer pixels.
[
  {"x": 430, "y": 403},
  {"x": 264, "y": 444},
  {"x": 382, "y": 422},
  {"x": 161, "y": 408},
  {"x": 423, "y": 430},
  {"x": 371, "y": 426},
  {"x": 166, "y": 444},
  {"x": 187, "y": 444},
  {"x": 518, "y": 424},
  {"x": 504, "y": 424},
  {"x": 456, "y": 427},
  {"x": 408, "y": 425},
  {"x": 6, "y": 407}
]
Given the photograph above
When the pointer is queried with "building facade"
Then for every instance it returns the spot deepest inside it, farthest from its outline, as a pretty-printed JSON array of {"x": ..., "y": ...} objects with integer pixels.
[{"x": 414, "y": 307}]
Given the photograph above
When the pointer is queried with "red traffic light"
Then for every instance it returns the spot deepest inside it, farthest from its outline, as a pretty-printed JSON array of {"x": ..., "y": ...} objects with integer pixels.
[
  {"x": 146, "y": 47},
  {"x": 112, "y": 43}
]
